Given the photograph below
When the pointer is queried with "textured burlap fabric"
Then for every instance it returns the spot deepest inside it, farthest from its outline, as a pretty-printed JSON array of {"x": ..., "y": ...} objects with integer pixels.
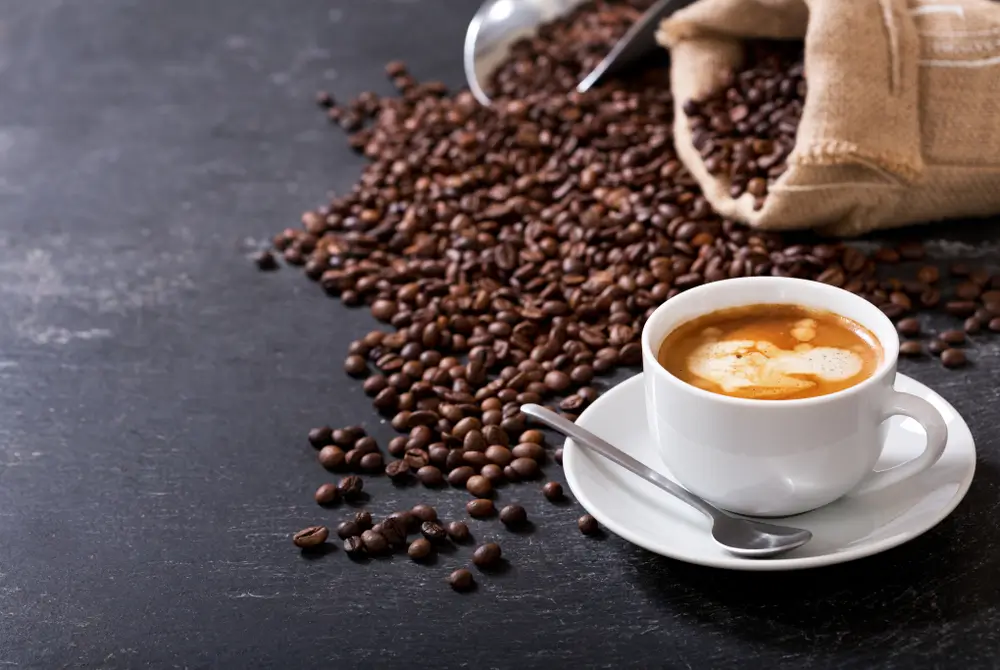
[{"x": 901, "y": 122}]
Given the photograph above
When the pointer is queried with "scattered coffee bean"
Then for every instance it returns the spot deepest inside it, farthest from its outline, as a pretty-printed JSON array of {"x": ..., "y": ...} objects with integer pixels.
[
  {"x": 499, "y": 455},
  {"x": 953, "y": 358},
  {"x": 513, "y": 515},
  {"x": 953, "y": 337},
  {"x": 553, "y": 491},
  {"x": 424, "y": 512},
  {"x": 320, "y": 437},
  {"x": 348, "y": 529},
  {"x": 536, "y": 436},
  {"x": 419, "y": 549},
  {"x": 480, "y": 508},
  {"x": 398, "y": 471},
  {"x": 327, "y": 494},
  {"x": 479, "y": 486},
  {"x": 460, "y": 475},
  {"x": 494, "y": 473},
  {"x": 458, "y": 531},
  {"x": 363, "y": 519},
  {"x": 433, "y": 531},
  {"x": 331, "y": 457},
  {"x": 559, "y": 456},
  {"x": 530, "y": 450},
  {"x": 355, "y": 366},
  {"x": 994, "y": 324},
  {"x": 972, "y": 325},
  {"x": 487, "y": 555},
  {"x": 351, "y": 487},
  {"x": 430, "y": 475},
  {"x": 936, "y": 346},
  {"x": 375, "y": 542},
  {"x": 909, "y": 327},
  {"x": 461, "y": 580},
  {"x": 526, "y": 468},
  {"x": 354, "y": 545},
  {"x": 410, "y": 521},
  {"x": 265, "y": 261},
  {"x": 394, "y": 531},
  {"x": 313, "y": 536},
  {"x": 587, "y": 525},
  {"x": 372, "y": 462},
  {"x": 911, "y": 348}
]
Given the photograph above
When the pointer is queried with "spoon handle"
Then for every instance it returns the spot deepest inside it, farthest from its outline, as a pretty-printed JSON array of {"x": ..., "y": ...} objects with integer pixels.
[{"x": 585, "y": 438}]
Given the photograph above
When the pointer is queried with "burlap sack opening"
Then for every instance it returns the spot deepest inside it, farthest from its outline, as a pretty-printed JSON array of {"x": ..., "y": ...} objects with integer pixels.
[{"x": 901, "y": 122}]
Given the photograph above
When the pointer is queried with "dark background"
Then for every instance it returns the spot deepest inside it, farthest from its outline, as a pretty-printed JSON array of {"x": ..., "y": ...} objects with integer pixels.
[{"x": 155, "y": 391}]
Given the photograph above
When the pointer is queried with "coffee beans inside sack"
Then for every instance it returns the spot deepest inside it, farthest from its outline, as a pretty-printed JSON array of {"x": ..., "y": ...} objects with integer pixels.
[{"x": 887, "y": 120}]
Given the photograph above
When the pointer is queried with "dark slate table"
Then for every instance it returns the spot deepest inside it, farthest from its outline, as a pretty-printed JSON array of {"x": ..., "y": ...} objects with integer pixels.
[{"x": 155, "y": 390}]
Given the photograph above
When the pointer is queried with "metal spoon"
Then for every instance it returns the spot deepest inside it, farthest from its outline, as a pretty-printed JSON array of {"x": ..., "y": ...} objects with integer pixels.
[
  {"x": 499, "y": 23},
  {"x": 739, "y": 536}
]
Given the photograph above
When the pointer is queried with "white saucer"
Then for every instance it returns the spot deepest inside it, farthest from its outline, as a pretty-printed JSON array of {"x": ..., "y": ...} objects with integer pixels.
[{"x": 847, "y": 529}]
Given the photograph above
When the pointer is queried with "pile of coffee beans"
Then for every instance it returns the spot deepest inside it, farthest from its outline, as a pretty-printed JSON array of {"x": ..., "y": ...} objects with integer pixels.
[
  {"x": 746, "y": 129},
  {"x": 515, "y": 252}
]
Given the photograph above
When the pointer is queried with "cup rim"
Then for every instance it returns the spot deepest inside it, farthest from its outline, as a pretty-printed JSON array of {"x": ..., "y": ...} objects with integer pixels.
[{"x": 890, "y": 350}]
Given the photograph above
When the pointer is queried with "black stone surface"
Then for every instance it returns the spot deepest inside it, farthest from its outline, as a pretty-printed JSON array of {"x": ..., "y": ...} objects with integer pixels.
[{"x": 155, "y": 392}]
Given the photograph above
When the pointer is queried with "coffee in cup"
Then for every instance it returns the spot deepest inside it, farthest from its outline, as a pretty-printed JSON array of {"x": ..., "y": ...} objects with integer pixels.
[{"x": 771, "y": 352}]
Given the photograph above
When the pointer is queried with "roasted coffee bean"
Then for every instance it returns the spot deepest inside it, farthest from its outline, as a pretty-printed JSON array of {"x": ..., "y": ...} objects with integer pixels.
[
  {"x": 394, "y": 531},
  {"x": 433, "y": 531},
  {"x": 264, "y": 260},
  {"x": 348, "y": 529},
  {"x": 911, "y": 348},
  {"x": 354, "y": 545},
  {"x": 351, "y": 487},
  {"x": 530, "y": 450},
  {"x": 499, "y": 455},
  {"x": 513, "y": 515},
  {"x": 953, "y": 358},
  {"x": 936, "y": 346},
  {"x": 458, "y": 531},
  {"x": 313, "y": 536},
  {"x": 968, "y": 290},
  {"x": 417, "y": 458},
  {"x": 375, "y": 542},
  {"x": 346, "y": 437},
  {"x": 372, "y": 462},
  {"x": 409, "y": 520},
  {"x": 461, "y": 580},
  {"x": 331, "y": 457},
  {"x": 536, "y": 436},
  {"x": 494, "y": 473},
  {"x": 355, "y": 366},
  {"x": 487, "y": 555},
  {"x": 419, "y": 549},
  {"x": 912, "y": 251},
  {"x": 353, "y": 459},
  {"x": 363, "y": 519},
  {"x": 994, "y": 324},
  {"x": 398, "y": 471},
  {"x": 557, "y": 381},
  {"x": 474, "y": 459},
  {"x": 960, "y": 308},
  {"x": 558, "y": 456},
  {"x": 587, "y": 525},
  {"x": 553, "y": 491},
  {"x": 908, "y": 327},
  {"x": 327, "y": 494},
  {"x": 479, "y": 486},
  {"x": 496, "y": 435},
  {"x": 928, "y": 274},
  {"x": 467, "y": 424},
  {"x": 430, "y": 475},
  {"x": 953, "y": 337},
  {"x": 480, "y": 508},
  {"x": 526, "y": 468},
  {"x": 375, "y": 385},
  {"x": 321, "y": 437},
  {"x": 972, "y": 325},
  {"x": 474, "y": 441},
  {"x": 460, "y": 475}
]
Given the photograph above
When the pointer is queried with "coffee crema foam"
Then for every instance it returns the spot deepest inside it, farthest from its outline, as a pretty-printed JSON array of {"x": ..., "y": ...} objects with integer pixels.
[{"x": 771, "y": 352}]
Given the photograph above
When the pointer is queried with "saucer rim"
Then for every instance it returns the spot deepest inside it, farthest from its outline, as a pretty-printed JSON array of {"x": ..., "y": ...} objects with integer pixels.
[{"x": 731, "y": 562}]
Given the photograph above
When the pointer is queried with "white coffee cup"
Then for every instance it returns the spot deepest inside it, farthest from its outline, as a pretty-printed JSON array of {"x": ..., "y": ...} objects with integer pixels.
[{"x": 779, "y": 457}]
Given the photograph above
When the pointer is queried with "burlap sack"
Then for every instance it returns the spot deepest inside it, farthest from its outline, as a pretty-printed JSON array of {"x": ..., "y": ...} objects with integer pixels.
[{"x": 901, "y": 122}]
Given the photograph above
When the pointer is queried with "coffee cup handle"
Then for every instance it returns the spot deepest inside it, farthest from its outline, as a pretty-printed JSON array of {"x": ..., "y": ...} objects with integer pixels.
[{"x": 934, "y": 426}]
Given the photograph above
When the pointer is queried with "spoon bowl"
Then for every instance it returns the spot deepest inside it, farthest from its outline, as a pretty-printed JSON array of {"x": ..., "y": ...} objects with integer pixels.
[{"x": 738, "y": 535}]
